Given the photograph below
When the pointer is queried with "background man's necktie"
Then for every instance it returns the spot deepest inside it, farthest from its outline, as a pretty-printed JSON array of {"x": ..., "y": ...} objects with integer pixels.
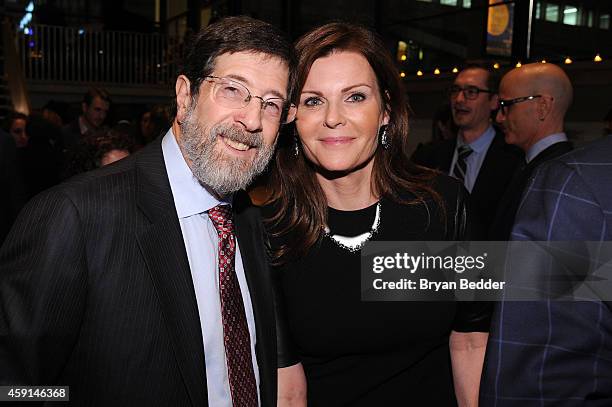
[
  {"x": 235, "y": 329},
  {"x": 461, "y": 165}
]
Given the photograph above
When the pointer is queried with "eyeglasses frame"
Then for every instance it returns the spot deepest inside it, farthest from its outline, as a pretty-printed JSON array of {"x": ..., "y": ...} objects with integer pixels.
[
  {"x": 504, "y": 104},
  {"x": 287, "y": 106},
  {"x": 464, "y": 88}
]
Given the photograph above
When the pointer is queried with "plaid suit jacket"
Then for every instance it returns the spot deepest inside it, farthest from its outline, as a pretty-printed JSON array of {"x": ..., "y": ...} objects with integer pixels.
[{"x": 556, "y": 353}]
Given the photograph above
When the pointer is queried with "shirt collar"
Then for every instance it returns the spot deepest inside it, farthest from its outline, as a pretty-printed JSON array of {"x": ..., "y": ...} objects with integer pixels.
[
  {"x": 190, "y": 197},
  {"x": 481, "y": 143},
  {"x": 543, "y": 144}
]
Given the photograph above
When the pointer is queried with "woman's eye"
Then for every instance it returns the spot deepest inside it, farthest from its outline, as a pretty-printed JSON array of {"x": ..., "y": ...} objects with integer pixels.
[
  {"x": 312, "y": 102},
  {"x": 356, "y": 97}
]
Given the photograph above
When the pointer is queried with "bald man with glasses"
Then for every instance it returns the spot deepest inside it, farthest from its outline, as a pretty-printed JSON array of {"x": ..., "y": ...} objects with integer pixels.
[
  {"x": 479, "y": 157},
  {"x": 553, "y": 351},
  {"x": 533, "y": 100}
]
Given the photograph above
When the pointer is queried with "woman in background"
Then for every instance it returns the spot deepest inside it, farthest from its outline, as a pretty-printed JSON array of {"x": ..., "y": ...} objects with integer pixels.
[{"x": 344, "y": 180}]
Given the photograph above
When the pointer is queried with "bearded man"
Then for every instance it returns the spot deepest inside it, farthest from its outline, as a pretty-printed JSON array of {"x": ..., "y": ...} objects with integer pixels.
[{"x": 145, "y": 282}]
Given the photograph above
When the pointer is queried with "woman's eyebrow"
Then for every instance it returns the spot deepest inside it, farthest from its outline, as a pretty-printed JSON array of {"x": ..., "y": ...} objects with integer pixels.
[
  {"x": 355, "y": 86},
  {"x": 316, "y": 92}
]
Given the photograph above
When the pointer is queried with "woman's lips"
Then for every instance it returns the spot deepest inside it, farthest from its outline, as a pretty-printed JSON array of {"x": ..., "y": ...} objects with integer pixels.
[{"x": 337, "y": 140}]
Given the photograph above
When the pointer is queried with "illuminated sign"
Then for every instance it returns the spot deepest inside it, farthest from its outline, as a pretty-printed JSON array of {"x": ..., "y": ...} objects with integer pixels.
[{"x": 499, "y": 28}]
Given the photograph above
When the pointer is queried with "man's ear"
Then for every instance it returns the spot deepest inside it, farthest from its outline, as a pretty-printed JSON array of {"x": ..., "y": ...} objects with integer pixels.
[
  {"x": 544, "y": 106},
  {"x": 83, "y": 107},
  {"x": 183, "y": 96}
]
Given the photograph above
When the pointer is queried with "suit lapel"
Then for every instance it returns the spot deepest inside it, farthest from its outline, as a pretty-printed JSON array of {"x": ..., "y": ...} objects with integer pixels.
[
  {"x": 510, "y": 202},
  {"x": 162, "y": 246},
  {"x": 249, "y": 235},
  {"x": 446, "y": 154}
]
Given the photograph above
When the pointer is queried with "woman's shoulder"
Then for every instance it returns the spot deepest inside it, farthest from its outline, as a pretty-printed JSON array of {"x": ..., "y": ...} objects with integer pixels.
[
  {"x": 447, "y": 188},
  {"x": 268, "y": 210},
  {"x": 275, "y": 225},
  {"x": 445, "y": 206}
]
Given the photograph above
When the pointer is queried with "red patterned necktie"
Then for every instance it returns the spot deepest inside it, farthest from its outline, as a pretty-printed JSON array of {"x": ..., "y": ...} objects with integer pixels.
[{"x": 236, "y": 337}]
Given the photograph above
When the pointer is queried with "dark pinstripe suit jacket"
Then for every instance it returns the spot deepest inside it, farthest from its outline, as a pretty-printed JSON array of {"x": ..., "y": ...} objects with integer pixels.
[
  {"x": 96, "y": 292},
  {"x": 11, "y": 186},
  {"x": 557, "y": 353}
]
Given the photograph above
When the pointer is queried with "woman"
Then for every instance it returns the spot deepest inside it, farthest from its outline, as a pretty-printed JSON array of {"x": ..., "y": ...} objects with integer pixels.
[{"x": 347, "y": 179}]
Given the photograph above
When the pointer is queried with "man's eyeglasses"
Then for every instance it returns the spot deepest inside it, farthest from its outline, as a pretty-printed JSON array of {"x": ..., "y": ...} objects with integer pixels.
[
  {"x": 469, "y": 92},
  {"x": 234, "y": 95},
  {"x": 504, "y": 104}
]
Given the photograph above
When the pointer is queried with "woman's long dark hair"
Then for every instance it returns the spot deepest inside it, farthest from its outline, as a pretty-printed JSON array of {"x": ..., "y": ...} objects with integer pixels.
[{"x": 298, "y": 199}]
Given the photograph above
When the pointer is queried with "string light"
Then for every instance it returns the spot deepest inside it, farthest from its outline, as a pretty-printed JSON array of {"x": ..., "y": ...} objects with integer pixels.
[
  {"x": 438, "y": 70},
  {"x": 403, "y": 57}
]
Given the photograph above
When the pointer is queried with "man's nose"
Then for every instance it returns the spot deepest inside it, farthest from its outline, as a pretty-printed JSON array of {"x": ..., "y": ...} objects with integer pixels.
[
  {"x": 500, "y": 117},
  {"x": 460, "y": 96},
  {"x": 250, "y": 115}
]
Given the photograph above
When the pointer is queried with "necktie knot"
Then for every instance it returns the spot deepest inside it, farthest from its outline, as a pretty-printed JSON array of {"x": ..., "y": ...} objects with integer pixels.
[
  {"x": 461, "y": 165},
  {"x": 464, "y": 151},
  {"x": 221, "y": 217}
]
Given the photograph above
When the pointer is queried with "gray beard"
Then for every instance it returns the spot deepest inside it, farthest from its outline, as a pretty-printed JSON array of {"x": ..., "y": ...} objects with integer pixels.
[{"x": 215, "y": 170}]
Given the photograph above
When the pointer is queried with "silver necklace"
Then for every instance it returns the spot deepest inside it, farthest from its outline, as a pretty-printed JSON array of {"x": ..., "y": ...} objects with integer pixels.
[{"x": 355, "y": 243}]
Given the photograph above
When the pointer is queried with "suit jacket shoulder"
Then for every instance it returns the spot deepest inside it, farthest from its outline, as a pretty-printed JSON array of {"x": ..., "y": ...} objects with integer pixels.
[
  {"x": 437, "y": 155},
  {"x": 569, "y": 197}
]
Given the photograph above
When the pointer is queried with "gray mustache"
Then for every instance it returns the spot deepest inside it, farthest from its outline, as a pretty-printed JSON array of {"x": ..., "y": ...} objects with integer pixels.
[{"x": 240, "y": 136}]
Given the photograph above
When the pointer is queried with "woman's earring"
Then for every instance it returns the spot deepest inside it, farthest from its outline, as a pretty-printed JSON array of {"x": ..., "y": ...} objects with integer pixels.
[
  {"x": 296, "y": 147},
  {"x": 384, "y": 141}
]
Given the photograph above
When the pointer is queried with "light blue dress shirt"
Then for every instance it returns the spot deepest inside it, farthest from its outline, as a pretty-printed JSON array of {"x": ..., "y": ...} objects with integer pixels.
[
  {"x": 192, "y": 202},
  {"x": 480, "y": 146},
  {"x": 543, "y": 144}
]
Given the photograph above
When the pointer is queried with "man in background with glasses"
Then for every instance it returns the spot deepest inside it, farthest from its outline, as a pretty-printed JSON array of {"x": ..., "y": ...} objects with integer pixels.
[
  {"x": 478, "y": 156},
  {"x": 146, "y": 282},
  {"x": 533, "y": 100}
]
